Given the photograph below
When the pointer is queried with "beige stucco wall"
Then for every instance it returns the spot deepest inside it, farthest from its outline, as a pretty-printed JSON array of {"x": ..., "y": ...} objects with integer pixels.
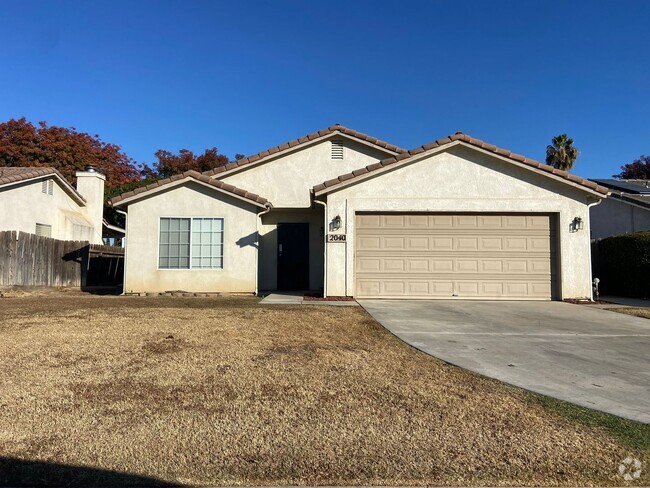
[
  {"x": 191, "y": 200},
  {"x": 463, "y": 180},
  {"x": 287, "y": 180},
  {"x": 24, "y": 205},
  {"x": 268, "y": 258},
  {"x": 613, "y": 217}
]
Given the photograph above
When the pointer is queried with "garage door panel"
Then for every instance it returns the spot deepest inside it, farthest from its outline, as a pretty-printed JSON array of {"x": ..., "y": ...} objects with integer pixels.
[
  {"x": 515, "y": 222},
  {"x": 474, "y": 256},
  {"x": 419, "y": 243},
  {"x": 492, "y": 289},
  {"x": 491, "y": 244},
  {"x": 369, "y": 242},
  {"x": 490, "y": 222},
  {"x": 467, "y": 265},
  {"x": 417, "y": 221},
  {"x": 394, "y": 265},
  {"x": 442, "y": 243},
  {"x": 368, "y": 221},
  {"x": 393, "y": 242},
  {"x": 369, "y": 264},
  {"x": 395, "y": 221},
  {"x": 441, "y": 221},
  {"x": 419, "y": 288},
  {"x": 492, "y": 266},
  {"x": 368, "y": 288},
  {"x": 394, "y": 288},
  {"x": 466, "y": 221},
  {"x": 442, "y": 265},
  {"x": 416, "y": 265},
  {"x": 466, "y": 244}
]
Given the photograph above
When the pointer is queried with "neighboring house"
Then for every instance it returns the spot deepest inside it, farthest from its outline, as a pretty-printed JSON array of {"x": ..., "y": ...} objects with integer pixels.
[
  {"x": 341, "y": 212},
  {"x": 41, "y": 201},
  {"x": 627, "y": 209}
]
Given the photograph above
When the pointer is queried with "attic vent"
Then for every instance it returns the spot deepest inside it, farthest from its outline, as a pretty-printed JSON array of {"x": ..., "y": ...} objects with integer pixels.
[
  {"x": 337, "y": 150},
  {"x": 47, "y": 187},
  {"x": 43, "y": 230}
]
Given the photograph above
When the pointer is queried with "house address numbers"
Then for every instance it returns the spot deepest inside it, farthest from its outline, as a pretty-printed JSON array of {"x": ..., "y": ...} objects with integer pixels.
[{"x": 335, "y": 237}]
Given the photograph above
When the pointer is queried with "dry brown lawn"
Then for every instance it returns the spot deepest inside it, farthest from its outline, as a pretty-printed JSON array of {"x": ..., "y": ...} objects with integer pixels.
[
  {"x": 224, "y": 391},
  {"x": 637, "y": 312}
]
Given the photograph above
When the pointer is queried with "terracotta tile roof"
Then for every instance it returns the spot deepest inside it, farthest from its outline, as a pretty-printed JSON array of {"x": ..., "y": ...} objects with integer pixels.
[
  {"x": 195, "y": 175},
  {"x": 464, "y": 138},
  {"x": 297, "y": 142},
  {"x": 12, "y": 174}
]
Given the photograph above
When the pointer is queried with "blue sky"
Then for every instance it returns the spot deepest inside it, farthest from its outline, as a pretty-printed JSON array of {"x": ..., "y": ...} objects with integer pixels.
[{"x": 247, "y": 75}]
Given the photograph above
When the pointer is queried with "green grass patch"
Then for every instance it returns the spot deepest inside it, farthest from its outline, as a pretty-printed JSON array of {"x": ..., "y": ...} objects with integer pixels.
[{"x": 634, "y": 435}]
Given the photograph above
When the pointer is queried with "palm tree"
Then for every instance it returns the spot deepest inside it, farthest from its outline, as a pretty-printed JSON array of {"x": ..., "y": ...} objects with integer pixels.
[{"x": 561, "y": 154}]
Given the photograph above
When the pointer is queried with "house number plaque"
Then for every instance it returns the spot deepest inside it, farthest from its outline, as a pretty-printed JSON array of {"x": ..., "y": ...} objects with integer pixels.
[{"x": 335, "y": 237}]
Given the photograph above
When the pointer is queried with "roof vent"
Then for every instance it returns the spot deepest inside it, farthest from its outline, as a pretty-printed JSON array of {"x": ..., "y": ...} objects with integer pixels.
[
  {"x": 90, "y": 169},
  {"x": 337, "y": 150}
]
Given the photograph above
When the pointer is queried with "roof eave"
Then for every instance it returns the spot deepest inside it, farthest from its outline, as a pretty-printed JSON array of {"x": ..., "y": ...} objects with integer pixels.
[
  {"x": 65, "y": 185},
  {"x": 180, "y": 181}
]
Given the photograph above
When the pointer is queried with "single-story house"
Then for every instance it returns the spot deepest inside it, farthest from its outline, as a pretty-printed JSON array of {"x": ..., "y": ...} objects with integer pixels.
[
  {"x": 627, "y": 209},
  {"x": 345, "y": 214},
  {"x": 39, "y": 200}
]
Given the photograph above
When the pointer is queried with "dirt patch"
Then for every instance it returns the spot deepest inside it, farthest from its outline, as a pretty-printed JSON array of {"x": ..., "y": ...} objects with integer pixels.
[
  {"x": 637, "y": 312},
  {"x": 221, "y": 391}
]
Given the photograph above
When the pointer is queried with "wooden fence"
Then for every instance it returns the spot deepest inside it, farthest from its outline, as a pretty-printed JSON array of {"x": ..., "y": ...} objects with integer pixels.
[{"x": 31, "y": 260}]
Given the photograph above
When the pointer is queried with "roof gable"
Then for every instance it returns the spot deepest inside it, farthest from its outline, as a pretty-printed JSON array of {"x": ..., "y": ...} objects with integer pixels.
[
  {"x": 12, "y": 175},
  {"x": 290, "y": 146},
  {"x": 457, "y": 139},
  {"x": 175, "y": 180}
]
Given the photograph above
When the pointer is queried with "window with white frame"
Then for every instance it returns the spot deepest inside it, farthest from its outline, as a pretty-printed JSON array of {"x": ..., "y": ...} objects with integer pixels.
[{"x": 186, "y": 243}]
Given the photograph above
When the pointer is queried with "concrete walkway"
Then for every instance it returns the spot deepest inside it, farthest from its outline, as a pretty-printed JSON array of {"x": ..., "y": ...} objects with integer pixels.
[
  {"x": 289, "y": 298},
  {"x": 595, "y": 358}
]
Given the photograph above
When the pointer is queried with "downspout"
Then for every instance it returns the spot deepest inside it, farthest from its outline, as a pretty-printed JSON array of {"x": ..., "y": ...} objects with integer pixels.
[
  {"x": 591, "y": 267},
  {"x": 126, "y": 233},
  {"x": 257, "y": 254},
  {"x": 324, "y": 204}
]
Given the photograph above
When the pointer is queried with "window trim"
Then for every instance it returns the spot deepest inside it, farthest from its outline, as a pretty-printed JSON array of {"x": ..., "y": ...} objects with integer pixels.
[{"x": 192, "y": 217}]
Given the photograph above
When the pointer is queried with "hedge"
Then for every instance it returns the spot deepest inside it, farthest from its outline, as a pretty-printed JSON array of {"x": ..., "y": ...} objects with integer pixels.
[{"x": 622, "y": 263}]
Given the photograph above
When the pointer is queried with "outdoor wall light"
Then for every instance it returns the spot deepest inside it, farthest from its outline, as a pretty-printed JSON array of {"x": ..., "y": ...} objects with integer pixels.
[
  {"x": 578, "y": 224},
  {"x": 336, "y": 223}
]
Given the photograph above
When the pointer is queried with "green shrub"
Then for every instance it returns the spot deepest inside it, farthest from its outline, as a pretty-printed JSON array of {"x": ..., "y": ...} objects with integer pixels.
[{"x": 623, "y": 265}]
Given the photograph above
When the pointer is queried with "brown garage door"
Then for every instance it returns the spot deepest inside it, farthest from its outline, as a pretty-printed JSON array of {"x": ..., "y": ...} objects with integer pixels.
[{"x": 455, "y": 255}]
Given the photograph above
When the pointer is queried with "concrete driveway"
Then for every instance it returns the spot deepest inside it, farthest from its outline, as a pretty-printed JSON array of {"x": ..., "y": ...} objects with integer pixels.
[{"x": 595, "y": 358}]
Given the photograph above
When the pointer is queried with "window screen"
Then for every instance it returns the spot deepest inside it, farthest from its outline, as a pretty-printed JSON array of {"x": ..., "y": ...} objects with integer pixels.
[
  {"x": 207, "y": 243},
  {"x": 190, "y": 243},
  {"x": 174, "y": 247}
]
